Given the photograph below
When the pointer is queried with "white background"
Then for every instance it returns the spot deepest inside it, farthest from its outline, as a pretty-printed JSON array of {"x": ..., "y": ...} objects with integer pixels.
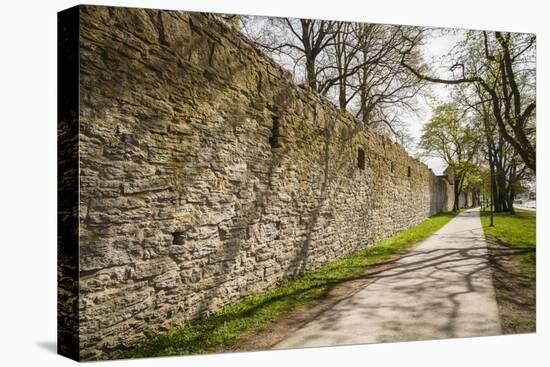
[{"x": 28, "y": 182}]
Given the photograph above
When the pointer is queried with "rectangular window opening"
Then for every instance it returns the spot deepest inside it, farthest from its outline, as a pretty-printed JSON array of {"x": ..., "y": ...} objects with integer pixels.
[
  {"x": 409, "y": 171},
  {"x": 361, "y": 158},
  {"x": 274, "y": 138}
]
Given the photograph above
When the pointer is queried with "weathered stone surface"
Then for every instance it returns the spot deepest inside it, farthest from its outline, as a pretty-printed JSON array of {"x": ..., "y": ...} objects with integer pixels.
[{"x": 186, "y": 203}]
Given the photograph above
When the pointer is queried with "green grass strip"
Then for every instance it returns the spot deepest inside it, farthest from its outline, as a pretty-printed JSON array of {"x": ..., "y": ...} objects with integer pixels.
[
  {"x": 519, "y": 231},
  {"x": 222, "y": 329}
]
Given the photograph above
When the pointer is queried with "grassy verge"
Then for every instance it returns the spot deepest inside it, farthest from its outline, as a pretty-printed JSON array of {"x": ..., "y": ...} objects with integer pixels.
[
  {"x": 517, "y": 231},
  {"x": 222, "y": 329},
  {"x": 512, "y": 253}
]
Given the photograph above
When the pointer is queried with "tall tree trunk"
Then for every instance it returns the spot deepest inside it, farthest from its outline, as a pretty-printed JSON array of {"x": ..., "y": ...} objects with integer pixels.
[
  {"x": 363, "y": 95},
  {"x": 512, "y": 192},
  {"x": 511, "y": 201},
  {"x": 310, "y": 72},
  {"x": 496, "y": 203},
  {"x": 457, "y": 190},
  {"x": 456, "y": 204},
  {"x": 503, "y": 190},
  {"x": 342, "y": 98}
]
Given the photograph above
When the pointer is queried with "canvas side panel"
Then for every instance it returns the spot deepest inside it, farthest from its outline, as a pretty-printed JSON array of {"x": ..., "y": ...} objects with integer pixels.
[{"x": 67, "y": 182}]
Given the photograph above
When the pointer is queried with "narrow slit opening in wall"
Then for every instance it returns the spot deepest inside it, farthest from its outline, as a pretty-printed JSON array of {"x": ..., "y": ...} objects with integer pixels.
[
  {"x": 361, "y": 158},
  {"x": 409, "y": 171},
  {"x": 392, "y": 166},
  {"x": 274, "y": 138},
  {"x": 178, "y": 238}
]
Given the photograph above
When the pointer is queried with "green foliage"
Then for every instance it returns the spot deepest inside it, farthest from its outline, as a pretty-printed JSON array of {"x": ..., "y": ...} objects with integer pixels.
[
  {"x": 474, "y": 177},
  {"x": 450, "y": 137},
  {"x": 518, "y": 230},
  {"x": 223, "y": 329}
]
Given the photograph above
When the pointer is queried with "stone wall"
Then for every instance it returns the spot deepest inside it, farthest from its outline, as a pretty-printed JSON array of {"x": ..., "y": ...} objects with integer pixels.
[
  {"x": 207, "y": 175},
  {"x": 67, "y": 184}
]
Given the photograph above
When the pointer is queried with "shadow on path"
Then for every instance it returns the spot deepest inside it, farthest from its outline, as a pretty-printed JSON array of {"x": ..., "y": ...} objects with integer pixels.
[{"x": 443, "y": 288}]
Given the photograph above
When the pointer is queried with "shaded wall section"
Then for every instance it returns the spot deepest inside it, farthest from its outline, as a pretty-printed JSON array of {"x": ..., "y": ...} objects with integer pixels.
[
  {"x": 207, "y": 175},
  {"x": 67, "y": 184}
]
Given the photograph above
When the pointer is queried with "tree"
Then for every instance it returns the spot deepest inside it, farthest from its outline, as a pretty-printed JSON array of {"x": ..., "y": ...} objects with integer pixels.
[
  {"x": 503, "y": 65},
  {"x": 505, "y": 166},
  {"x": 448, "y": 136},
  {"x": 386, "y": 89},
  {"x": 301, "y": 40}
]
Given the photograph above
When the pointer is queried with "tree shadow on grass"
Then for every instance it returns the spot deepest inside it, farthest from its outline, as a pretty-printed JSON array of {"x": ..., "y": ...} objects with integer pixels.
[{"x": 515, "y": 285}]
